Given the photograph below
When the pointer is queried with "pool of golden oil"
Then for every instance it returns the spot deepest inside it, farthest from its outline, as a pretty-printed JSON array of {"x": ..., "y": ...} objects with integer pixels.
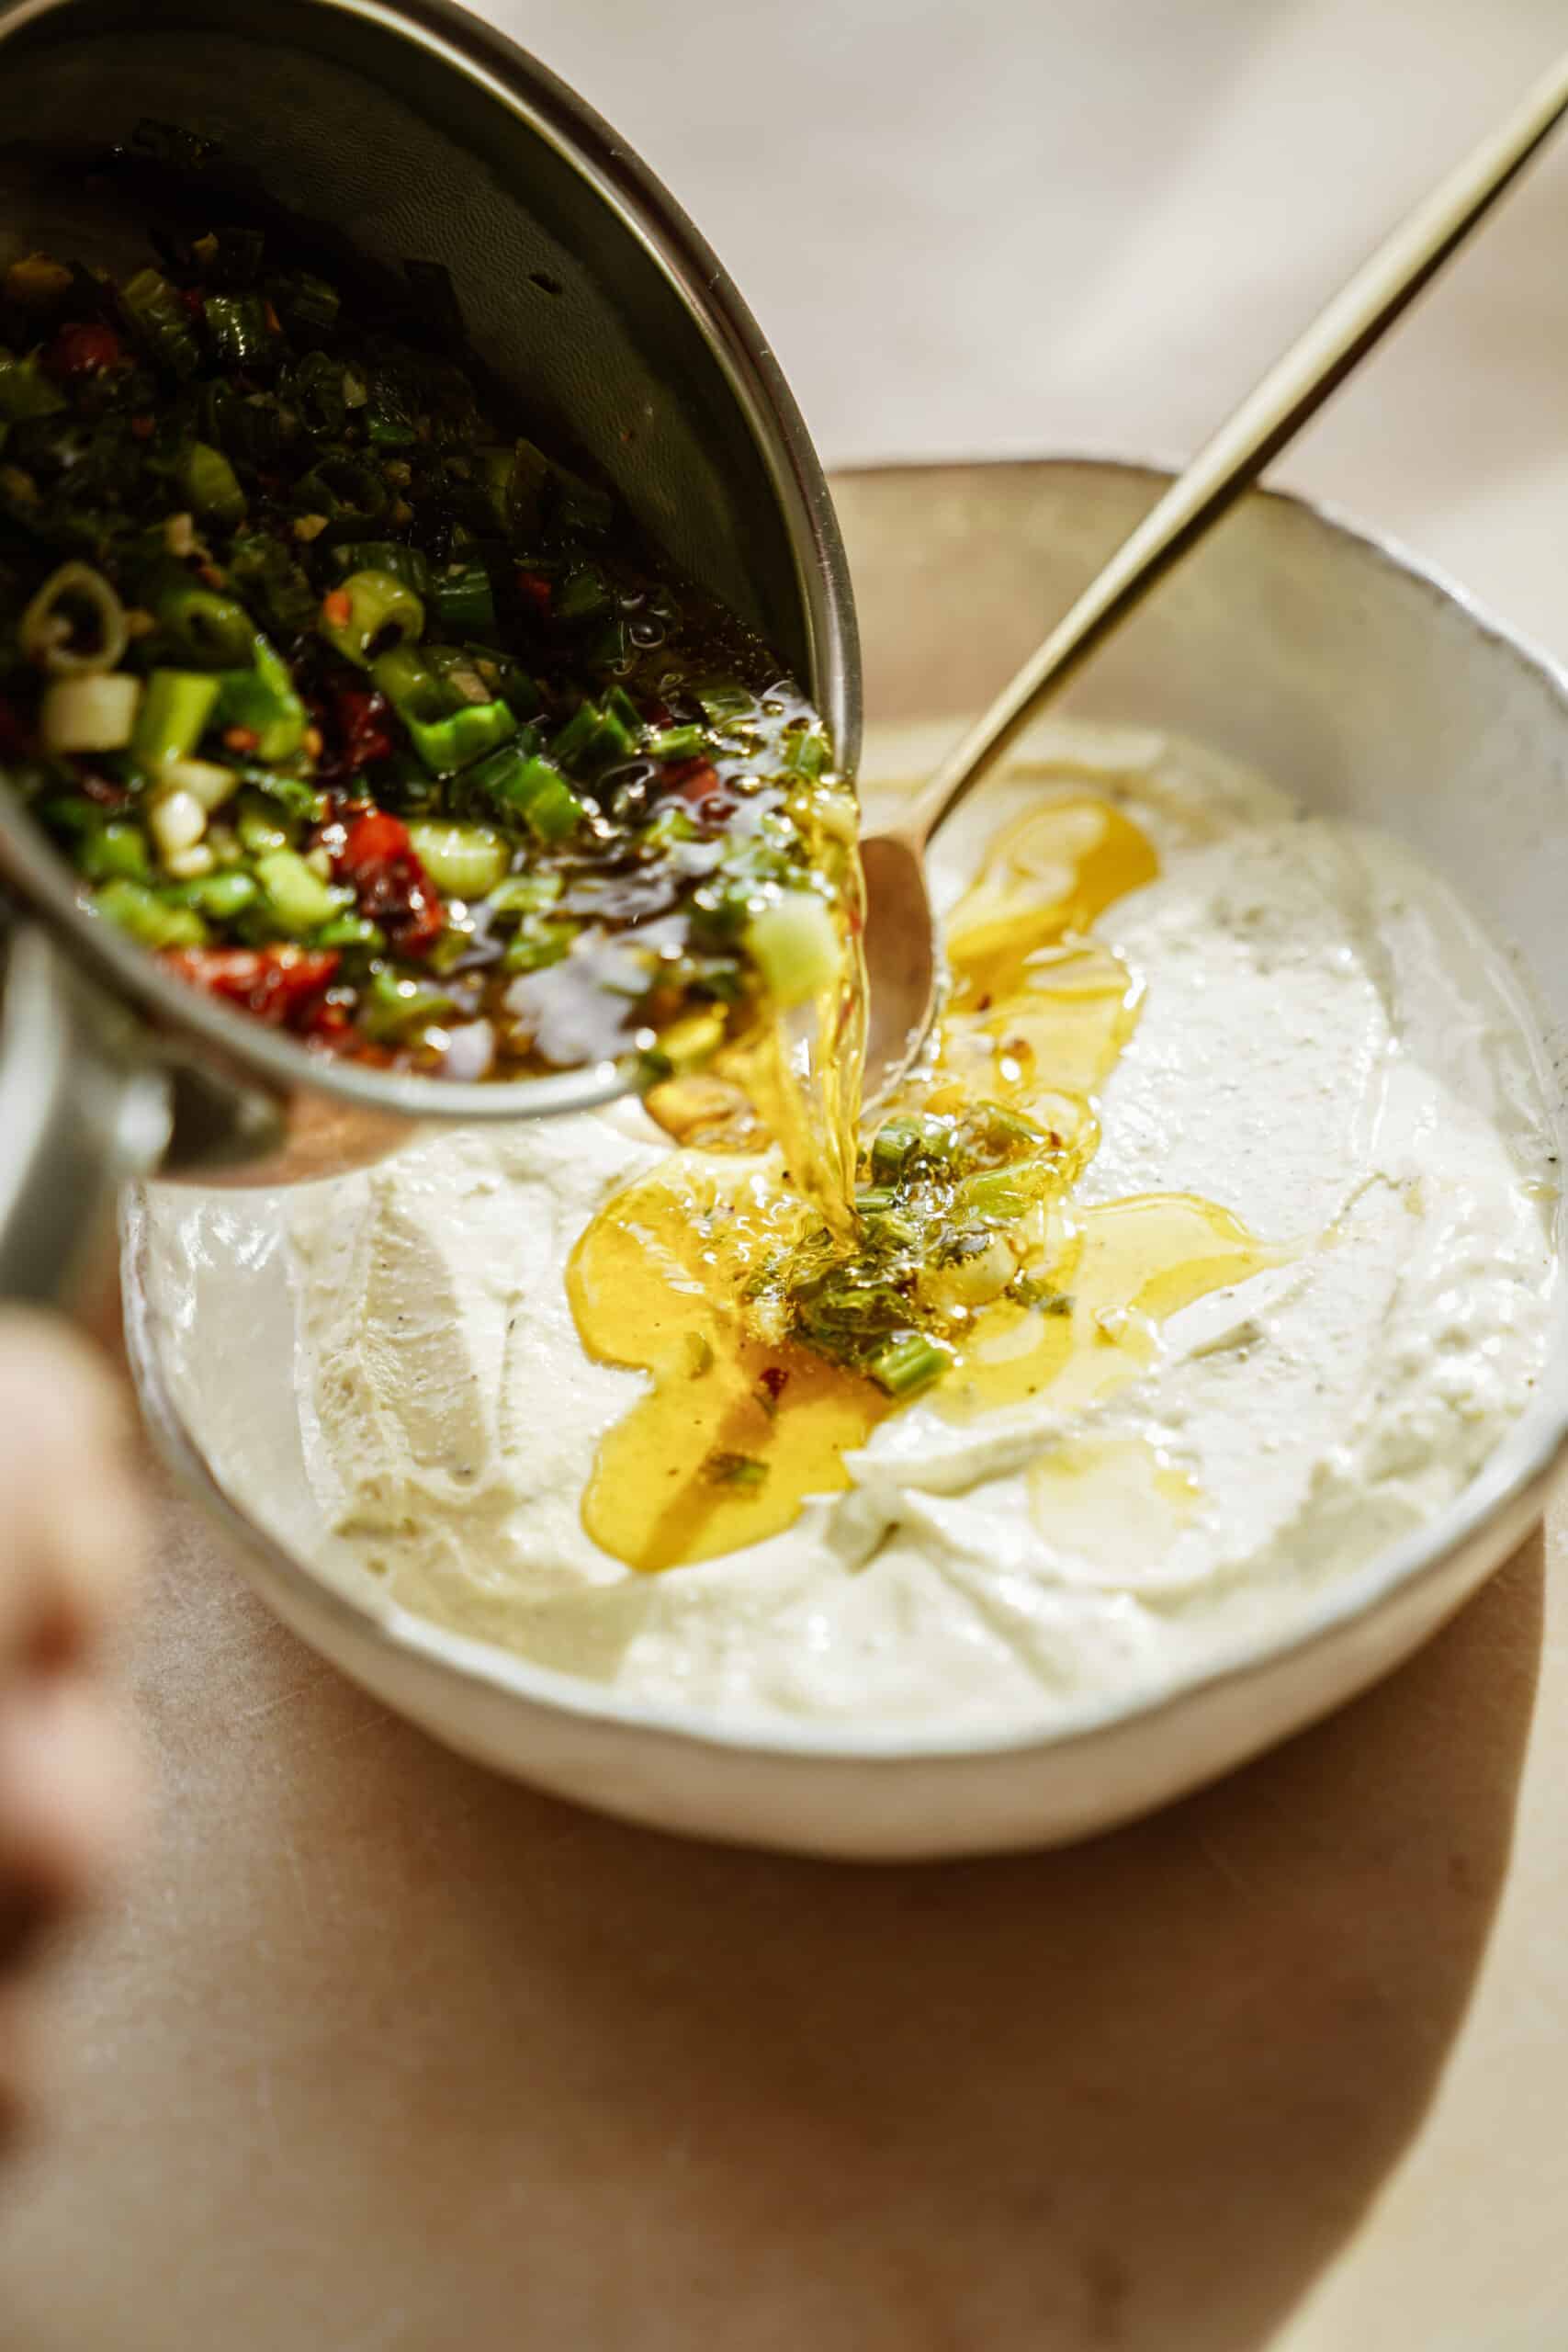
[{"x": 735, "y": 1434}]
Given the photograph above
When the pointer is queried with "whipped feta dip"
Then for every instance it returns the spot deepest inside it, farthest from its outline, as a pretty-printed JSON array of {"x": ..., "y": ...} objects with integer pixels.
[{"x": 1327, "y": 1048}]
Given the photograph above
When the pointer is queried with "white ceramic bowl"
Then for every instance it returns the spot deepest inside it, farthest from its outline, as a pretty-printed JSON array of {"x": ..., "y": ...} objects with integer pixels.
[{"x": 1290, "y": 642}]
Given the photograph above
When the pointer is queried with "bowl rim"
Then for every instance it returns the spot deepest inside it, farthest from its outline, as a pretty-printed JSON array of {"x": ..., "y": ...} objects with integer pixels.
[{"x": 1517, "y": 1473}]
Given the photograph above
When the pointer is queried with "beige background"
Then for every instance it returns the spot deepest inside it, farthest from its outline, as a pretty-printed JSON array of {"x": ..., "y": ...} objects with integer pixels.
[{"x": 383, "y": 2053}]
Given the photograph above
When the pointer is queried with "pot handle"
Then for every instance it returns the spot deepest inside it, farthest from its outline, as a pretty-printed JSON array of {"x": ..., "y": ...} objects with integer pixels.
[{"x": 83, "y": 1107}]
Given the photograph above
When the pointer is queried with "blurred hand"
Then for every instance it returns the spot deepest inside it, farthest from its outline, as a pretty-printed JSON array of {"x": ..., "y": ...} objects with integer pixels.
[{"x": 71, "y": 1539}]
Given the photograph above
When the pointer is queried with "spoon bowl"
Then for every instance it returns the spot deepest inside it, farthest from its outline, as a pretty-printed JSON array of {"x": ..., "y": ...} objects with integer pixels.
[{"x": 900, "y": 950}]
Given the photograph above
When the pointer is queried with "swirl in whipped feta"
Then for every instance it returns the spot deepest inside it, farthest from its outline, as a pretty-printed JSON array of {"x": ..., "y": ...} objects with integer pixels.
[{"x": 1311, "y": 1281}]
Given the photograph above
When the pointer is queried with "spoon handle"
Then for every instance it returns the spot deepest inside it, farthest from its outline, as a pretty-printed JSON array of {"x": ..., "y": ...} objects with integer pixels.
[{"x": 1293, "y": 390}]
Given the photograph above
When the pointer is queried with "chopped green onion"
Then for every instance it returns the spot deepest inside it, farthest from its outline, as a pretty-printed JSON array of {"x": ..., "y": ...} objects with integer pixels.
[
  {"x": 582, "y": 594},
  {"x": 464, "y": 597},
  {"x": 406, "y": 564},
  {"x": 176, "y": 821},
  {"x": 995, "y": 1193},
  {"x": 47, "y": 628},
  {"x": 297, "y": 900},
  {"x": 794, "y": 945},
  {"x": 151, "y": 921},
  {"x": 394, "y": 1005},
  {"x": 997, "y": 1130},
  {"x": 463, "y": 861},
  {"x": 26, "y": 391},
  {"x": 158, "y": 317},
  {"x": 610, "y": 648},
  {"x": 357, "y": 616},
  {"x": 538, "y": 944},
  {"x": 460, "y": 676},
  {"x": 673, "y": 822},
  {"x": 807, "y": 754},
  {"x": 505, "y": 677},
  {"x": 721, "y": 701},
  {"x": 258, "y": 826},
  {"x": 208, "y": 479},
  {"x": 678, "y": 743},
  {"x": 237, "y": 323},
  {"x": 37, "y": 282},
  {"x": 95, "y": 713},
  {"x": 210, "y": 630},
  {"x": 174, "y": 709},
  {"x": 350, "y": 931},
  {"x": 343, "y": 488},
  {"x": 304, "y": 302},
  {"x": 619, "y": 706},
  {"x": 261, "y": 699},
  {"x": 535, "y": 789},
  {"x": 231, "y": 256},
  {"x": 222, "y": 897},
  {"x": 410, "y": 685},
  {"x": 205, "y": 780},
  {"x": 113, "y": 849},
  {"x": 894, "y": 1144},
  {"x": 524, "y": 894},
  {"x": 316, "y": 388},
  {"x": 265, "y": 575},
  {"x": 388, "y": 421},
  {"x": 447, "y": 745},
  {"x": 594, "y": 739},
  {"x": 908, "y": 1363}
]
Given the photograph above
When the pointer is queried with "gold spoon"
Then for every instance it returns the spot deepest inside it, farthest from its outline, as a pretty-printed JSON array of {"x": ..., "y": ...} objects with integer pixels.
[{"x": 900, "y": 940}]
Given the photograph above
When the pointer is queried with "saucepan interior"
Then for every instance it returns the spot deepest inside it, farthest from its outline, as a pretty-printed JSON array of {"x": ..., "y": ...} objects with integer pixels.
[
  {"x": 375, "y": 136},
  {"x": 1288, "y": 642}
]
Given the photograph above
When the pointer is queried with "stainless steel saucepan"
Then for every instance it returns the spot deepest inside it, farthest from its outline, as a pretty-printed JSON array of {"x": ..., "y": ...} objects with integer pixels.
[{"x": 416, "y": 134}]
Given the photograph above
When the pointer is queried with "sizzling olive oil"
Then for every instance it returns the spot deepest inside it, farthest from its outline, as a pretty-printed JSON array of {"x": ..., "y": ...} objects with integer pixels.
[{"x": 679, "y": 1274}]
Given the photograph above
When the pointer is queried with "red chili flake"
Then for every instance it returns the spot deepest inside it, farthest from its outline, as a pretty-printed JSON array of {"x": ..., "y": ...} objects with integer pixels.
[
  {"x": 337, "y": 607},
  {"x": 658, "y": 714},
  {"x": 143, "y": 427},
  {"x": 362, "y": 715},
  {"x": 194, "y": 300},
  {"x": 536, "y": 590},
  {"x": 82, "y": 350},
  {"x": 330, "y": 1019},
  {"x": 241, "y": 739},
  {"x": 275, "y": 324},
  {"x": 389, "y": 882},
  {"x": 774, "y": 1379},
  {"x": 275, "y": 984},
  {"x": 693, "y": 779}
]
